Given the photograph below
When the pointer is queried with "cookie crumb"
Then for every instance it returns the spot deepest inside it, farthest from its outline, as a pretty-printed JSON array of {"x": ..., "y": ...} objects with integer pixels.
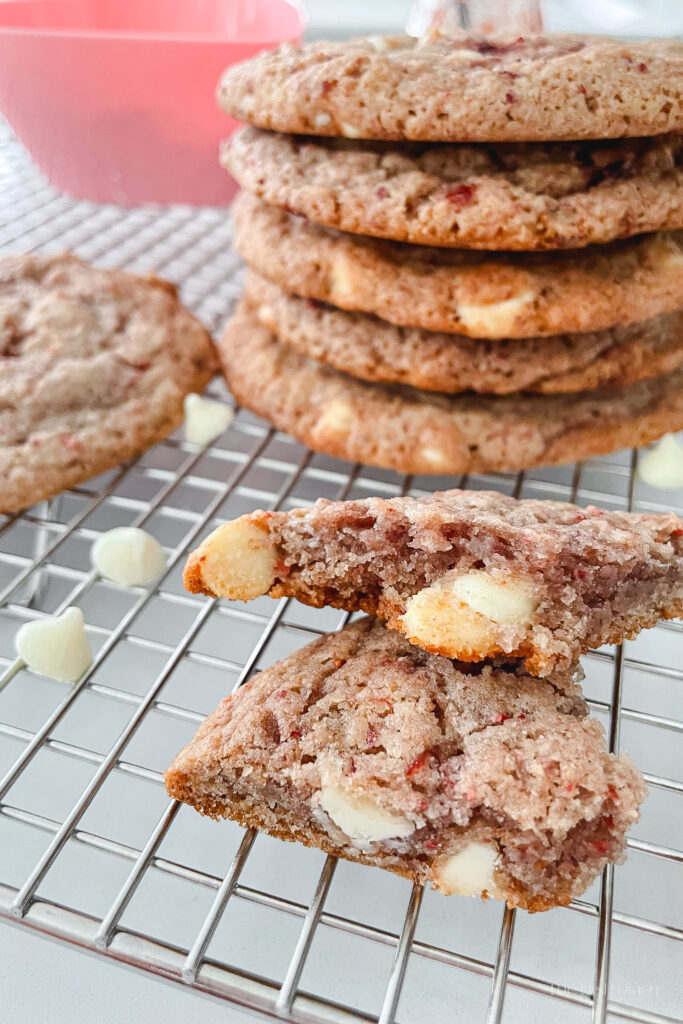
[{"x": 662, "y": 466}]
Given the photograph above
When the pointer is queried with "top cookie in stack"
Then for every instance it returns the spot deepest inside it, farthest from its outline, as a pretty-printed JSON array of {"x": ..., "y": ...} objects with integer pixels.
[{"x": 383, "y": 332}]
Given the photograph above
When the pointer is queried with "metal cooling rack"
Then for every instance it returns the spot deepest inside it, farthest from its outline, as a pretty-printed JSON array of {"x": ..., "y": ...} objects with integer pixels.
[{"x": 93, "y": 853}]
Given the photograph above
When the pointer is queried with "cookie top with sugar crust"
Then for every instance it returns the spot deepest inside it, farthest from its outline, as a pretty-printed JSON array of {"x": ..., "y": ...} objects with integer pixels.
[{"x": 463, "y": 88}]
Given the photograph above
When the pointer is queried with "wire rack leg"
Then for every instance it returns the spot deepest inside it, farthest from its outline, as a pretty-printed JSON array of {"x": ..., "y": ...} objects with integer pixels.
[
  {"x": 400, "y": 964},
  {"x": 38, "y": 580},
  {"x": 283, "y": 1006},
  {"x": 500, "y": 972},
  {"x": 196, "y": 954},
  {"x": 104, "y": 933}
]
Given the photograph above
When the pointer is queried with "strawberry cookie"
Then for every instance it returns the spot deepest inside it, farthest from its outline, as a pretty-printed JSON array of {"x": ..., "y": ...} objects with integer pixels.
[
  {"x": 94, "y": 367},
  {"x": 478, "y": 780},
  {"x": 470, "y": 575},
  {"x": 463, "y": 88}
]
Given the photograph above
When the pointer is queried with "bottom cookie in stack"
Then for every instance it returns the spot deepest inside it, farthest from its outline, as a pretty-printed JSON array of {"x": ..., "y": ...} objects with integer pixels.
[
  {"x": 400, "y": 427},
  {"x": 475, "y": 778}
]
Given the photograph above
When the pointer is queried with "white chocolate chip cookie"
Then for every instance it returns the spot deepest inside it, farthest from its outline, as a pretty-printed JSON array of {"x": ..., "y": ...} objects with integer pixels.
[
  {"x": 480, "y": 781},
  {"x": 466, "y": 574},
  {"x": 95, "y": 366}
]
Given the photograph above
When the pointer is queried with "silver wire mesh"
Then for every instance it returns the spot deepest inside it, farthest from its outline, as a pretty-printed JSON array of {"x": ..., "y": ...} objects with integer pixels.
[{"x": 93, "y": 852}]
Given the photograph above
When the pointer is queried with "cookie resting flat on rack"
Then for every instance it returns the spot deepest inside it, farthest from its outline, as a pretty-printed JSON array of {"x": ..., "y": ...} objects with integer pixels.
[
  {"x": 94, "y": 367},
  {"x": 479, "y": 780}
]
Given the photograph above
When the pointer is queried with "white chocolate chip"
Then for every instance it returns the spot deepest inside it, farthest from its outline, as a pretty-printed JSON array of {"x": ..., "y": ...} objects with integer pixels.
[
  {"x": 493, "y": 319},
  {"x": 322, "y": 120},
  {"x": 337, "y": 419},
  {"x": 435, "y": 458},
  {"x": 56, "y": 647},
  {"x": 205, "y": 420},
  {"x": 342, "y": 279},
  {"x": 469, "y": 872},
  {"x": 464, "y": 614},
  {"x": 129, "y": 556},
  {"x": 360, "y": 818},
  {"x": 238, "y": 560},
  {"x": 662, "y": 466},
  {"x": 348, "y": 130},
  {"x": 379, "y": 43},
  {"x": 502, "y": 599}
]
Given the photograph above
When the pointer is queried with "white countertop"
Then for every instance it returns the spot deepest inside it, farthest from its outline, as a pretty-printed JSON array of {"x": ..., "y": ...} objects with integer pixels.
[{"x": 44, "y": 982}]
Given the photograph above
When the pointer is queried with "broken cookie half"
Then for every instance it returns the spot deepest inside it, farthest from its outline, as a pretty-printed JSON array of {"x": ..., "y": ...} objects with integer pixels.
[
  {"x": 480, "y": 780},
  {"x": 470, "y": 575}
]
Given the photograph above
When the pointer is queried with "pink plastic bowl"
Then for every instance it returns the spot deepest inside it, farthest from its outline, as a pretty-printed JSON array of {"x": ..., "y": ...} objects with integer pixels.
[{"x": 115, "y": 99}]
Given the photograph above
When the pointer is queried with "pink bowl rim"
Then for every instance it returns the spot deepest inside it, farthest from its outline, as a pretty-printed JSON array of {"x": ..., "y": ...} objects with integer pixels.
[{"x": 162, "y": 37}]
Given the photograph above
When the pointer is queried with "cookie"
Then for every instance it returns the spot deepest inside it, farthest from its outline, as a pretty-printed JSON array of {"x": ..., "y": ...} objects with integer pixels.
[
  {"x": 463, "y": 88},
  {"x": 423, "y": 432},
  {"x": 524, "y": 196},
  {"x": 372, "y": 349},
  {"x": 476, "y": 779},
  {"x": 465, "y": 574},
  {"x": 480, "y": 295},
  {"x": 94, "y": 366}
]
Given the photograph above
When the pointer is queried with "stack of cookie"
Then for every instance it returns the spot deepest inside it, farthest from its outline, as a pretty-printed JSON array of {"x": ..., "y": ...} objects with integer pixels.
[{"x": 438, "y": 281}]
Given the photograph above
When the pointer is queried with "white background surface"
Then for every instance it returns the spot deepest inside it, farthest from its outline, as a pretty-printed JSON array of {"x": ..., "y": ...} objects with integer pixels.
[
  {"x": 42, "y": 982},
  {"x": 633, "y": 17}
]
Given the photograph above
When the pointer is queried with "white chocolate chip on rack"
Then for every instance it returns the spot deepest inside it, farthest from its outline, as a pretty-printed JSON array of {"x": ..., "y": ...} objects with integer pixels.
[
  {"x": 469, "y": 872},
  {"x": 361, "y": 819},
  {"x": 129, "y": 556},
  {"x": 662, "y": 466},
  {"x": 493, "y": 319},
  {"x": 467, "y": 614},
  {"x": 238, "y": 560},
  {"x": 205, "y": 419},
  {"x": 56, "y": 647}
]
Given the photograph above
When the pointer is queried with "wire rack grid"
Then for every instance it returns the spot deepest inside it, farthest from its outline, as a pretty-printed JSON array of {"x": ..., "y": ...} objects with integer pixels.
[{"x": 93, "y": 853}]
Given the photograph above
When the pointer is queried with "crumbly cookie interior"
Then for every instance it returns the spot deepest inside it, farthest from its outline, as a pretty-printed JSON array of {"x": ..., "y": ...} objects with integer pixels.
[{"x": 467, "y": 577}]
